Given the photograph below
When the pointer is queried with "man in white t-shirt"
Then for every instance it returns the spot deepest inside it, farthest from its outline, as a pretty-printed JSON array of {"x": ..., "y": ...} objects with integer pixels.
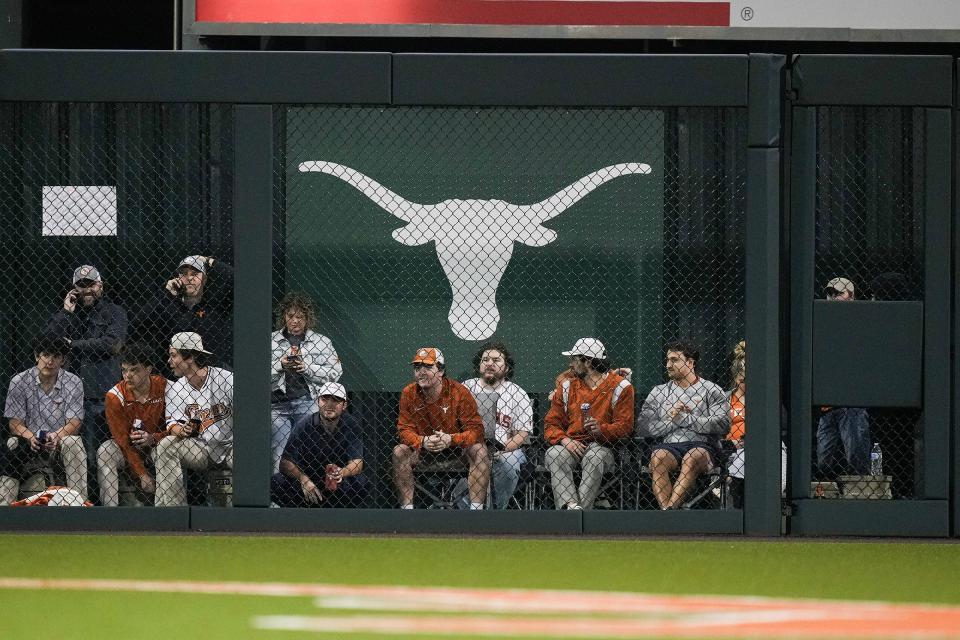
[
  {"x": 507, "y": 414},
  {"x": 199, "y": 409}
]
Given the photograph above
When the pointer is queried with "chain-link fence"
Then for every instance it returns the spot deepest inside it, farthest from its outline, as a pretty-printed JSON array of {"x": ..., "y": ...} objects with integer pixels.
[
  {"x": 474, "y": 307},
  {"x": 869, "y": 246},
  {"x": 118, "y": 347}
]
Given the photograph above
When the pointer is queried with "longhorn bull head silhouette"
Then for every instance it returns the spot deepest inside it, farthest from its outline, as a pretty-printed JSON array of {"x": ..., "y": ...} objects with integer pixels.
[{"x": 474, "y": 238}]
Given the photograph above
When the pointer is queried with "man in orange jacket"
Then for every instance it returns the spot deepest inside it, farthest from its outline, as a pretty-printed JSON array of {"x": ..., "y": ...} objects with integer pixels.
[
  {"x": 588, "y": 413},
  {"x": 438, "y": 418}
]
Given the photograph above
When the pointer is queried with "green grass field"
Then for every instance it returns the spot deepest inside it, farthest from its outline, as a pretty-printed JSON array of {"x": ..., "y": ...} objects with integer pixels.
[{"x": 914, "y": 572}]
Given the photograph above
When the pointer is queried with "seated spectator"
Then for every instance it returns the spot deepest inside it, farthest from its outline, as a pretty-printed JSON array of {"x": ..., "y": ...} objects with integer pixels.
[
  {"x": 302, "y": 362},
  {"x": 588, "y": 413},
  {"x": 438, "y": 420},
  {"x": 199, "y": 408},
  {"x": 197, "y": 299},
  {"x": 135, "y": 415},
  {"x": 688, "y": 415},
  {"x": 843, "y": 433},
  {"x": 513, "y": 417},
  {"x": 738, "y": 426},
  {"x": 322, "y": 463},
  {"x": 45, "y": 409}
]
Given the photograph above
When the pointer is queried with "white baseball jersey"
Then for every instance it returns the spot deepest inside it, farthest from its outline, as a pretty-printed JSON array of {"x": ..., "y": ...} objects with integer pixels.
[
  {"x": 212, "y": 404},
  {"x": 514, "y": 410}
]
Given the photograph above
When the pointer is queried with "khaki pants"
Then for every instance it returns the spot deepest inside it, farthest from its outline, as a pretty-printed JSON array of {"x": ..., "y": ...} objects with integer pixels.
[
  {"x": 72, "y": 454},
  {"x": 597, "y": 460},
  {"x": 172, "y": 455},
  {"x": 110, "y": 462}
]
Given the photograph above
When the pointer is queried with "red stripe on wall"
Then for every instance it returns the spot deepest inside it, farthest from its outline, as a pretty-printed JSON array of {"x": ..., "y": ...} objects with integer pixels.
[{"x": 501, "y": 12}]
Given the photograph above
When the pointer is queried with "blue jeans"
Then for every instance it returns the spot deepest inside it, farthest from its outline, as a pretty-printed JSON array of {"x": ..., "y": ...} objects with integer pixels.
[
  {"x": 849, "y": 427},
  {"x": 284, "y": 415},
  {"x": 504, "y": 474}
]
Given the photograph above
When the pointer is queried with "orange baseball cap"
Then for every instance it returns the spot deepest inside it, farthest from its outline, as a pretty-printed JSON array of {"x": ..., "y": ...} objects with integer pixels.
[{"x": 427, "y": 356}]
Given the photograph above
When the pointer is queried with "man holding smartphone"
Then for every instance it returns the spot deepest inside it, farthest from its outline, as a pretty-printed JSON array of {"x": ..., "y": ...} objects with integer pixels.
[
  {"x": 94, "y": 329},
  {"x": 198, "y": 298}
]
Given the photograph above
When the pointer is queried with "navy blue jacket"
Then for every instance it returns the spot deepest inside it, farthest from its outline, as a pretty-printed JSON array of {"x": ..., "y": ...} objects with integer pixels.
[{"x": 97, "y": 334}]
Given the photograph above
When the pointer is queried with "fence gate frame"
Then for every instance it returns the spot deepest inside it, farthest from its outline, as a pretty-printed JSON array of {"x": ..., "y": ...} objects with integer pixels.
[{"x": 907, "y": 81}]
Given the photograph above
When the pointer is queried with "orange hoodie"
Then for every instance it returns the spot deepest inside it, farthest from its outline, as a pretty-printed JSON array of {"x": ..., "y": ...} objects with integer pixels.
[
  {"x": 615, "y": 420},
  {"x": 455, "y": 412}
]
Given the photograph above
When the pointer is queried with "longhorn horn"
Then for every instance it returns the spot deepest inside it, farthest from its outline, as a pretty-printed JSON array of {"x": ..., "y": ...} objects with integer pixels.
[
  {"x": 388, "y": 200},
  {"x": 568, "y": 196}
]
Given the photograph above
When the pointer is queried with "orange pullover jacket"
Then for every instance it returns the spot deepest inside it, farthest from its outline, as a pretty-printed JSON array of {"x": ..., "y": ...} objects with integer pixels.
[
  {"x": 611, "y": 404},
  {"x": 455, "y": 412}
]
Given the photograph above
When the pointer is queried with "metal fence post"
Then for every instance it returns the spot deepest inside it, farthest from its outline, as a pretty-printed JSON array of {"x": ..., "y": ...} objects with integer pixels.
[{"x": 253, "y": 226}]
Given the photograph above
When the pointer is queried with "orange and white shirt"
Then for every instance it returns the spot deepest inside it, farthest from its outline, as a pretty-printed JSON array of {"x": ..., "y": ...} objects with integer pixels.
[{"x": 122, "y": 408}]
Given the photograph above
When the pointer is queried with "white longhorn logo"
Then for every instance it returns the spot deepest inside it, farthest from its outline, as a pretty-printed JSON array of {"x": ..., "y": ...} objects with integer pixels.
[{"x": 474, "y": 238}]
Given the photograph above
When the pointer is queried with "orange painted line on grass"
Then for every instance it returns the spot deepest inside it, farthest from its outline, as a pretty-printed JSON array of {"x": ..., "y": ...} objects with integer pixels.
[{"x": 640, "y": 615}]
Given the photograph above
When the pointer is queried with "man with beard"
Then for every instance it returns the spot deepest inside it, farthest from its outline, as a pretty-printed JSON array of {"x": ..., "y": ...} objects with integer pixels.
[
  {"x": 322, "y": 464},
  {"x": 514, "y": 417},
  {"x": 198, "y": 299},
  {"x": 94, "y": 329},
  {"x": 438, "y": 421},
  {"x": 588, "y": 413},
  {"x": 689, "y": 415},
  {"x": 45, "y": 407}
]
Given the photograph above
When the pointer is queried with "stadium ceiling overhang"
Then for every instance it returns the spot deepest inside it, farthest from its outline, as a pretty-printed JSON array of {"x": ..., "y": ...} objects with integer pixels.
[{"x": 851, "y": 20}]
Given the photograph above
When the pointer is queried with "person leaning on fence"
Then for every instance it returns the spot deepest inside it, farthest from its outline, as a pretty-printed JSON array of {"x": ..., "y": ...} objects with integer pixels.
[
  {"x": 322, "y": 464},
  {"x": 688, "y": 415},
  {"x": 136, "y": 417},
  {"x": 438, "y": 420},
  {"x": 199, "y": 407},
  {"x": 197, "y": 299},
  {"x": 842, "y": 427},
  {"x": 94, "y": 329},
  {"x": 588, "y": 413},
  {"x": 513, "y": 423},
  {"x": 45, "y": 408},
  {"x": 303, "y": 361}
]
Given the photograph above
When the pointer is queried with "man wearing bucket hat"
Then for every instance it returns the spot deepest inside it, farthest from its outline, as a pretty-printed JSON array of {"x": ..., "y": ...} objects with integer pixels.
[
  {"x": 197, "y": 299},
  {"x": 322, "y": 463},
  {"x": 438, "y": 419},
  {"x": 199, "y": 408},
  {"x": 588, "y": 413},
  {"x": 843, "y": 433}
]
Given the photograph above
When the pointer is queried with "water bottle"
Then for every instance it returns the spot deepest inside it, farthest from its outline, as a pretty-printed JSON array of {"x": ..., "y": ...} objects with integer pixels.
[{"x": 876, "y": 460}]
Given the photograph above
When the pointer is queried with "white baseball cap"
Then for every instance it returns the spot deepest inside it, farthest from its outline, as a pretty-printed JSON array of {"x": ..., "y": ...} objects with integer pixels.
[
  {"x": 188, "y": 341},
  {"x": 590, "y": 347},
  {"x": 334, "y": 389},
  {"x": 840, "y": 285}
]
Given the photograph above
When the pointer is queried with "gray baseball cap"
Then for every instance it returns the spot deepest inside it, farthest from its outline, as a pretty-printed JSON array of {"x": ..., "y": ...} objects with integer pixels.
[
  {"x": 194, "y": 262},
  {"x": 86, "y": 272}
]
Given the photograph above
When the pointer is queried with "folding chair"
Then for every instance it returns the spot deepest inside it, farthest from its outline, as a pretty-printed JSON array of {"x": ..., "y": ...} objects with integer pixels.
[{"x": 716, "y": 480}]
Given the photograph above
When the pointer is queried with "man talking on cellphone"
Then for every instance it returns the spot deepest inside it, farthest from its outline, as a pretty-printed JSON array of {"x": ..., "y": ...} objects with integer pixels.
[
  {"x": 93, "y": 329},
  {"x": 198, "y": 298}
]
